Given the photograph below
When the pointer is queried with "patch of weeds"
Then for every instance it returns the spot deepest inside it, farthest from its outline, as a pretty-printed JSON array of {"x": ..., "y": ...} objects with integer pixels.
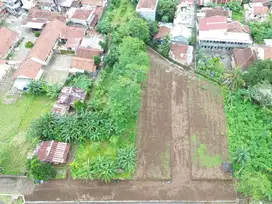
[
  {"x": 205, "y": 159},
  {"x": 203, "y": 87},
  {"x": 194, "y": 139}
]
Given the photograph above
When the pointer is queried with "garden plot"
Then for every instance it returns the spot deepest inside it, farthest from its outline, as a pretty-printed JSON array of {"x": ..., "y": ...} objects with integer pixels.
[{"x": 207, "y": 131}]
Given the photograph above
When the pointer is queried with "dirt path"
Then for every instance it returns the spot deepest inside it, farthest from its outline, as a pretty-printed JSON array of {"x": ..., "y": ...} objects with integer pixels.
[{"x": 163, "y": 141}]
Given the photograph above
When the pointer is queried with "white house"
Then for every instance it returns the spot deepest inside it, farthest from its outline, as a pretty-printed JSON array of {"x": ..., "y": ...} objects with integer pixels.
[
  {"x": 256, "y": 11},
  {"x": 147, "y": 9},
  {"x": 80, "y": 16}
]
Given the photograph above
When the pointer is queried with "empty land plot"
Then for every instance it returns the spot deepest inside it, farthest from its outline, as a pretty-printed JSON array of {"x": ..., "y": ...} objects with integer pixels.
[{"x": 207, "y": 131}]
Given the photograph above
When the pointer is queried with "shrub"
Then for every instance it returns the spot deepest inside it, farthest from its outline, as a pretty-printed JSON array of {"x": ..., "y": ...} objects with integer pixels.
[
  {"x": 36, "y": 87},
  {"x": 97, "y": 60},
  {"x": 104, "y": 168},
  {"x": 29, "y": 44},
  {"x": 81, "y": 81},
  {"x": 262, "y": 93},
  {"x": 37, "y": 34},
  {"x": 40, "y": 170},
  {"x": 126, "y": 158}
]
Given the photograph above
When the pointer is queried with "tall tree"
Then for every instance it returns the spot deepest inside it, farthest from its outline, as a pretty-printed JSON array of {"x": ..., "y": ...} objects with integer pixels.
[{"x": 166, "y": 10}]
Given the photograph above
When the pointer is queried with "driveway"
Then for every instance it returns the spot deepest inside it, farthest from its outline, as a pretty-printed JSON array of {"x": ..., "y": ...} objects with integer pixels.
[{"x": 58, "y": 69}]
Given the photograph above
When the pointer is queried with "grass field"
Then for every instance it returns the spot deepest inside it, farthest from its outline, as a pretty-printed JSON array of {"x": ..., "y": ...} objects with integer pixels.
[
  {"x": 15, "y": 119},
  {"x": 123, "y": 12}
]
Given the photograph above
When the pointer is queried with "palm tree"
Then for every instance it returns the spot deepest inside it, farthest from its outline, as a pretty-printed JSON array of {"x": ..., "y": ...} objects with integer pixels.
[{"x": 236, "y": 78}]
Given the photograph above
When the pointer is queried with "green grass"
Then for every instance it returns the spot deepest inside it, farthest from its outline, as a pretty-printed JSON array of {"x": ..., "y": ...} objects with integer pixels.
[
  {"x": 9, "y": 200},
  {"x": 61, "y": 172},
  {"x": 205, "y": 159},
  {"x": 238, "y": 16},
  {"x": 123, "y": 12},
  {"x": 15, "y": 119}
]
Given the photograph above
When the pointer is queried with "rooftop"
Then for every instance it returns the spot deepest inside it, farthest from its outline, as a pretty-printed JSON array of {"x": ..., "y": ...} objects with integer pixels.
[
  {"x": 28, "y": 69},
  {"x": 147, "y": 4},
  {"x": 68, "y": 32},
  {"x": 164, "y": 30},
  {"x": 82, "y": 14},
  {"x": 53, "y": 152},
  {"x": 218, "y": 11},
  {"x": 8, "y": 38},
  {"x": 83, "y": 64},
  {"x": 88, "y": 53},
  {"x": 243, "y": 57},
  {"x": 181, "y": 53},
  {"x": 69, "y": 95},
  {"x": 92, "y": 2}
]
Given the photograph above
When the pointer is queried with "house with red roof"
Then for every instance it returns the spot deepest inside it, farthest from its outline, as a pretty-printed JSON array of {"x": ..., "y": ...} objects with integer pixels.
[
  {"x": 147, "y": 9},
  {"x": 256, "y": 11},
  {"x": 7, "y": 42},
  {"x": 181, "y": 53},
  {"x": 242, "y": 58},
  {"x": 216, "y": 32}
]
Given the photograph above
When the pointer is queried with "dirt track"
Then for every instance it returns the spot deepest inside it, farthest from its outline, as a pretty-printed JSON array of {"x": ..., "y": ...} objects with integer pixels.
[{"x": 163, "y": 141}]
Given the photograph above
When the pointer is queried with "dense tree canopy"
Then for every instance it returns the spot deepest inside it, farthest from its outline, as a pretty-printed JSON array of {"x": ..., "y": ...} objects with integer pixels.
[
  {"x": 261, "y": 30},
  {"x": 259, "y": 71},
  {"x": 166, "y": 10}
]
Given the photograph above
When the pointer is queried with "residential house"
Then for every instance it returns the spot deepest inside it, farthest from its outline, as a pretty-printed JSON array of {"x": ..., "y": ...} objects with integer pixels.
[
  {"x": 164, "y": 30},
  {"x": 242, "y": 58},
  {"x": 217, "y": 11},
  {"x": 52, "y": 152},
  {"x": 147, "y": 9},
  {"x": 256, "y": 11},
  {"x": 55, "y": 5},
  {"x": 71, "y": 37},
  {"x": 183, "y": 24},
  {"x": 29, "y": 4},
  {"x": 94, "y": 3},
  {"x": 81, "y": 16},
  {"x": 79, "y": 64},
  {"x": 87, "y": 53},
  {"x": 14, "y": 7},
  {"x": 8, "y": 41},
  {"x": 37, "y": 18},
  {"x": 263, "y": 52},
  {"x": 39, "y": 56},
  {"x": 181, "y": 53},
  {"x": 216, "y": 33}
]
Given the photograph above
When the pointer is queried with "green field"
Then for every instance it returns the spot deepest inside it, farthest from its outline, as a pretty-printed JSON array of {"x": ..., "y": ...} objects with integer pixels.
[
  {"x": 122, "y": 13},
  {"x": 15, "y": 119}
]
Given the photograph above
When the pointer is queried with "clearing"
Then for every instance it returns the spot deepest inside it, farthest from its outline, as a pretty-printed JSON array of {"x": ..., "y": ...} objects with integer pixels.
[
  {"x": 15, "y": 118},
  {"x": 164, "y": 138}
]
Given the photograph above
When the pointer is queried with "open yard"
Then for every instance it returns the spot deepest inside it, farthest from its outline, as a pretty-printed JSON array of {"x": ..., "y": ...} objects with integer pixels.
[
  {"x": 165, "y": 139},
  {"x": 15, "y": 119}
]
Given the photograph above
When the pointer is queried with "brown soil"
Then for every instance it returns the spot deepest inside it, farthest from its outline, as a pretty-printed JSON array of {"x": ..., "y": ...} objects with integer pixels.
[{"x": 163, "y": 141}]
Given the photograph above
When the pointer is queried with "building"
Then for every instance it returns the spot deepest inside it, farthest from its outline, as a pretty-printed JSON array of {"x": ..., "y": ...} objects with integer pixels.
[
  {"x": 3, "y": 10},
  {"x": 8, "y": 41},
  {"x": 39, "y": 56},
  {"x": 14, "y": 7},
  {"x": 263, "y": 52},
  {"x": 147, "y": 9},
  {"x": 217, "y": 11},
  {"x": 29, "y": 4},
  {"x": 81, "y": 16},
  {"x": 87, "y": 53},
  {"x": 55, "y": 5},
  {"x": 256, "y": 11},
  {"x": 181, "y": 53},
  {"x": 164, "y": 30},
  {"x": 66, "y": 99},
  {"x": 52, "y": 152},
  {"x": 82, "y": 64},
  {"x": 216, "y": 33},
  {"x": 242, "y": 58},
  {"x": 94, "y": 3},
  {"x": 37, "y": 19},
  {"x": 71, "y": 37}
]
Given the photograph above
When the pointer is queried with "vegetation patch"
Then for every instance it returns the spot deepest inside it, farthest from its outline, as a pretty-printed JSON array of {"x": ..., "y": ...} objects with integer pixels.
[
  {"x": 15, "y": 118},
  {"x": 250, "y": 141}
]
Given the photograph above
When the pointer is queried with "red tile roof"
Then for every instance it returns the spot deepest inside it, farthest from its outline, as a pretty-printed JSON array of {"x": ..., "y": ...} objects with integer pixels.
[
  {"x": 67, "y": 32},
  {"x": 87, "y": 53},
  {"x": 236, "y": 26},
  {"x": 213, "y": 23},
  {"x": 83, "y": 64},
  {"x": 82, "y": 14},
  {"x": 92, "y": 2},
  {"x": 218, "y": 11},
  {"x": 163, "y": 32},
  {"x": 28, "y": 69},
  {"x": 179, "y": 52},
  {"x": 44, "y": 44},
  {"x": 53, "y": 152},
  {"x": 8, "y": 38},
  {"x": 43, "y": 16},
  {"x": 259, "y": 10},
  {"x": 267, "y": 52},
  {"x": 149, "y": 4},
  {"x": 243, "y": 57}
]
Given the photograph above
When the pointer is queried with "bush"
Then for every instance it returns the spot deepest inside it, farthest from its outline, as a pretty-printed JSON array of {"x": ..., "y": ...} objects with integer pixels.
[
  {"x": 262, "y": 93},
  {"x": 166, "y": 10},
  {"x": 40, "y": 170},
  {"x": 37, "y": 87},
  {"x": 81, "y": 81},
  {"x": 97, "y": 60},
  {"x": 126, "y": 158},
  {"x": 37, "y": 34},
  {"x": 29, "y": 44},
  {"x": 234, "y": 6}
]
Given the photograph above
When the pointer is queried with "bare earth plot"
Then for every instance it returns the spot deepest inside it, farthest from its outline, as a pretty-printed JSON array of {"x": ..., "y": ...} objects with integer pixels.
[{"x": 170, "y": 132}]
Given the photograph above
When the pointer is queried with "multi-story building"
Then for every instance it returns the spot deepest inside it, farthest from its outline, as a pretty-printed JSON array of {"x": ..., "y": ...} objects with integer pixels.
[
  {"x": 216, "y": 33},
  {"x": 13, "y": 6}
]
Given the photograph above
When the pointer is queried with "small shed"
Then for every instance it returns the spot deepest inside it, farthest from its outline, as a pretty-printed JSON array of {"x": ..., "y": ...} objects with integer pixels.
[{"x": 53, "y": 152}]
